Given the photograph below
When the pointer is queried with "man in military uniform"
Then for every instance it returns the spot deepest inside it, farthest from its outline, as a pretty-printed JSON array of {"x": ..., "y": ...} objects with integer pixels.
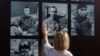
[
  {"x": 25, "y": 25},
  {"x": 81, "y": 23},
  {"x": 53, "y": 21}
]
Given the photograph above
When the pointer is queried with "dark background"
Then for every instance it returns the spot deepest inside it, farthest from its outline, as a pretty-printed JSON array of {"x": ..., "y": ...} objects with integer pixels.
[{"x": 80, "y": 45}]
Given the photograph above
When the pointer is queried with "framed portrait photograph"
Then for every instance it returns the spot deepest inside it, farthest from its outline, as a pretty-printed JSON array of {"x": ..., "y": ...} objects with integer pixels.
[
  {"x": 55, "y": 17},
  {"x": 82, "y": 20},
  {"x": 24, "y": 18}
]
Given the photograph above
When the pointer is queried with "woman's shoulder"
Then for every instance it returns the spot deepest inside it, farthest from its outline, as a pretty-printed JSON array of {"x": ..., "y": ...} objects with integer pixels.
[{"x": 68, "y": 53}]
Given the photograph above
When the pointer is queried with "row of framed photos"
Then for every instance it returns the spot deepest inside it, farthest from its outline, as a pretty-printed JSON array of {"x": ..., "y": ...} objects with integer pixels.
[
  {"x": 58, "y": 0},
  {"x": 27, "y": 17}
]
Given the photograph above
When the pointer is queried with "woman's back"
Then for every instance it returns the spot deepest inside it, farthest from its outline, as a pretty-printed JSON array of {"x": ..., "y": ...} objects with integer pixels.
[
  {"x": 60, "y": 43},
  {"x": 50, "y": 51}
]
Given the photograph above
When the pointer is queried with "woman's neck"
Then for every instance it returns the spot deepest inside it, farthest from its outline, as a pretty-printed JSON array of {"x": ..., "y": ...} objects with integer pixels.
[{"x": 61, "y": 51}]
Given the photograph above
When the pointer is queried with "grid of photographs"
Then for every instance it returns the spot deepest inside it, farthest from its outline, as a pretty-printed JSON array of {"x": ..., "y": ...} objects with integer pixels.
[{"x": 27, "y": 16}]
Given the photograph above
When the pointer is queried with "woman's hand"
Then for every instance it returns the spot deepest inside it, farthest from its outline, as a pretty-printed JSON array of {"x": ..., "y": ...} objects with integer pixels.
[
  {"x": 44, "y": 29},
  {"x": 45, "y": 33}
]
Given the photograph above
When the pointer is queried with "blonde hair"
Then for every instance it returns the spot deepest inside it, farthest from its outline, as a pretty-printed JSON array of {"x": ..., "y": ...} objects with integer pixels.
[{"x": 61, "y": 41}]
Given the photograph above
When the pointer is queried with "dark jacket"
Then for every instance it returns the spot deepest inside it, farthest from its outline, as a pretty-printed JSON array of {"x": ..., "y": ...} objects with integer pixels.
[{"x": 82, "y": 26}]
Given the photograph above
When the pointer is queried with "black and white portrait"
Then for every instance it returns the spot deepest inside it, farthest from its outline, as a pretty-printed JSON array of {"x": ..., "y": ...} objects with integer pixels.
[
  {"x": 82, "y": 20},
  {"x": 84, "y": 0},
  {"x": 24, "y": 18},
  {"x": 23, "y": 47},
  {"x": 55, "y": 17}
]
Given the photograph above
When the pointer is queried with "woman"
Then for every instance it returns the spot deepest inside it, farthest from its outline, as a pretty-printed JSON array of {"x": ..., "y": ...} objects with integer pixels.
[{"x": 60, "y": 43}]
